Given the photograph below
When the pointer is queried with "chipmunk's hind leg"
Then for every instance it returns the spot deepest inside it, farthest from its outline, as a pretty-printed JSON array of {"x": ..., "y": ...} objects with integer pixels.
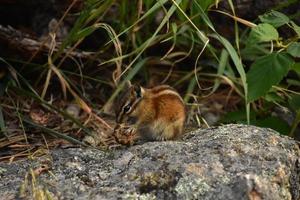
[
  {"x": 178, "y": 128},
  {"x": 146, "y": 133}
]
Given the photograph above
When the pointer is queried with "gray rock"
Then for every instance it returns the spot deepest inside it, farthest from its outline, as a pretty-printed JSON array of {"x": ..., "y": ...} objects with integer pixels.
[{"x": 226, "y": 162}]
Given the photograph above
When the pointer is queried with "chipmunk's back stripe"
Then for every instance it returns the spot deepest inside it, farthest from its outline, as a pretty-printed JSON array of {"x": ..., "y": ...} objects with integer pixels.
[
  {"x": 160, "y": 88},
  {"x": 168, "y": 92}
]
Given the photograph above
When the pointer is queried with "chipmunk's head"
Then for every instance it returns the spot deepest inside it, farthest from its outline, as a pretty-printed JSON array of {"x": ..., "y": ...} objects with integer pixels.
[{"x": 127, "y": 101}]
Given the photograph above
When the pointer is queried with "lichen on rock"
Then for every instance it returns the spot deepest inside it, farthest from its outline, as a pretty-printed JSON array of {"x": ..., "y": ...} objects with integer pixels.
[{"x": 226, "y": 162}]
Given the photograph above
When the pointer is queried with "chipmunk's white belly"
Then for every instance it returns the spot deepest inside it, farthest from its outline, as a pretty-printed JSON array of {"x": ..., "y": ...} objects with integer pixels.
[{"x": 157, "y": 130}]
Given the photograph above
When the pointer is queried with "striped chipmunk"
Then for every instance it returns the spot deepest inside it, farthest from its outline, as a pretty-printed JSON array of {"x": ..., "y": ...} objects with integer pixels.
[{"x": 157, "y": 113}]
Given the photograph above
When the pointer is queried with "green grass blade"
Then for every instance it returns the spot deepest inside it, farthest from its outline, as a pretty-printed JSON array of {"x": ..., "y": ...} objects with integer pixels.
[
  {"x": 221, "y": 69},
  {"x": 156, "y": 6},
  {"x": 50, "y": 107},
  {"x": 200, "y": 34},
  {"x": 2, "y": 123},
  {"x": 190, "y": 89},
  {"x": 54, "y": 133},
  {"x": 129, "y": 76},
  {"x": 239, "y": 66}
]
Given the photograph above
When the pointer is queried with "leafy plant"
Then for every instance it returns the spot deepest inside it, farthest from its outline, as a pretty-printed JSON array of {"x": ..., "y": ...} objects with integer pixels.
[{"x": 267, "y": 72}]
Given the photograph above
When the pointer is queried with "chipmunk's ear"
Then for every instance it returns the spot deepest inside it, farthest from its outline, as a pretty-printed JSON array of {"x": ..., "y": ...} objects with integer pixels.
[{"x": 138, "y": 91}]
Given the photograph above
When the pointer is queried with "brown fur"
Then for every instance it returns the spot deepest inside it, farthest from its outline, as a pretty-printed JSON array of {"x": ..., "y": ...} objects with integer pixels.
[{"x": 160, "y": 113}]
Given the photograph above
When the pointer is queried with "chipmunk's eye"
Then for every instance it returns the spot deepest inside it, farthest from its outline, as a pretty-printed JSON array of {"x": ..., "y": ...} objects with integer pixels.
[{"x": 126, "y": 108}]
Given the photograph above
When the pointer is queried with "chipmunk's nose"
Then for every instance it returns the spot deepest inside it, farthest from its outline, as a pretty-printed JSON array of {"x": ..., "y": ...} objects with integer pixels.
[{"x": 120, "y": 119}]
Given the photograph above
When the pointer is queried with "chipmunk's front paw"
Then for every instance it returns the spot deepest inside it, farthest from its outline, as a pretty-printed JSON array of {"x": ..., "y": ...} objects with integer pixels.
[{"x": 125, "y": 135}]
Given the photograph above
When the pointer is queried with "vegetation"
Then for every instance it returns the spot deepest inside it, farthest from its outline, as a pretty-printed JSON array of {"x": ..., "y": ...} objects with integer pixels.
[{"x": 241, "y": 77}]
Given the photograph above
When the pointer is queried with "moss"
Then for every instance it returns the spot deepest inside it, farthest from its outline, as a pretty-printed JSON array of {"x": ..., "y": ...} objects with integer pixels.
[
  {"x": 2, "y": 171},
  {"x": 136, "y": 196},
  {"x": 157, "y": 180},
  {"x": 192, "y": 187}
]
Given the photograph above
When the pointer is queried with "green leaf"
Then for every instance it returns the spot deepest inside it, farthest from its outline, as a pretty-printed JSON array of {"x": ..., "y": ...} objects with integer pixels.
[
  {"x": 296, "y": 28},
  {"x": 294, "y": 49},
  {"x": 263, "y": 33},
  {"x": 267, "y": 71},
  {"x": 294, "y": 103},
  {"x": 237, "y": 117},
  {"x": 274, "y": 123},
  {"x": 296, "y": 67},
  {"x": 253, "y": 51},
  {"x": 274, "y": 18},
  {"x": 273, "y": 97},
  {"x": 293, "y": 82}
]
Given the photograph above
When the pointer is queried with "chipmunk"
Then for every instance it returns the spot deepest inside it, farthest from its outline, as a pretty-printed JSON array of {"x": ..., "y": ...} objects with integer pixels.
[{"x": 159, "y": 112}]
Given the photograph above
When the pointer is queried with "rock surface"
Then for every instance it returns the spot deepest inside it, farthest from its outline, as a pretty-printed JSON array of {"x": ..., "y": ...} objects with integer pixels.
[{"x": 227, "y": 162}]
